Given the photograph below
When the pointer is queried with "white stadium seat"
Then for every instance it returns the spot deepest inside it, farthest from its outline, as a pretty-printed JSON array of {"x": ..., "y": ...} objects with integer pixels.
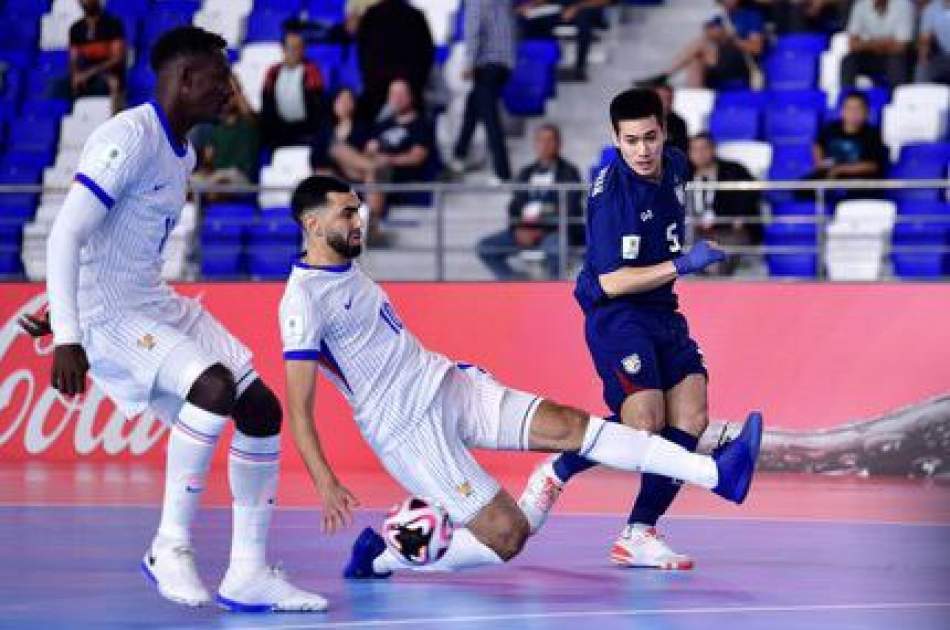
[
  {"x": 94, "y": 109},
  {"x": 694, "y": 105},
  {"x": 857, "y": 239},
  {"x": 907, "y": 123},
  {"x": 288, "y": 168},
  {"x": 73, "y": 131},
  {"x": 756, "y": 156},
  {"x": 224, "y": 21}
]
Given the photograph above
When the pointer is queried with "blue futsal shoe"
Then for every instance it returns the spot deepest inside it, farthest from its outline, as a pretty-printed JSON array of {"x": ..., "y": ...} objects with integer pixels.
[
  {"x": 367, "y": 547},
  {"x": 735, "y": 460}
]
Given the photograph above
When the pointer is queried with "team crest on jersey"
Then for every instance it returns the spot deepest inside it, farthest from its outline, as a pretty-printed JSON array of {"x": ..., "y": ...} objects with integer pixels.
[
  {"x": 109, "y": 157},
  {"x": 147, "y": 341},
  {"x": 293, "y": 328},
  {"x": 680, "y": 190},
  {"x": 630, "y": 246},
  {"x": 465, "y": 489},
  {"x": 632, "y": 364}
]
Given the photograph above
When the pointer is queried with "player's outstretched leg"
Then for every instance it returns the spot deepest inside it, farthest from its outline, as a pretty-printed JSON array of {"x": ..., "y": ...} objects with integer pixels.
[
  {"x": 728, "y": 472},
  {"x": 496, "y": 534},
  {"x": 169, "y": 562},
  {"x": 250, "y": 585}
]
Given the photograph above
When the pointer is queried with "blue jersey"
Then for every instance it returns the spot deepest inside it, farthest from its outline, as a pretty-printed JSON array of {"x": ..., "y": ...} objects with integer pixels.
[{"x": 633, "y": 222}]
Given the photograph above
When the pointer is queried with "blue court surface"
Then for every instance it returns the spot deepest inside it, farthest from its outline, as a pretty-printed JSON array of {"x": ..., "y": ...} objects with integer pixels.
[{"x": 77, "y": 567}]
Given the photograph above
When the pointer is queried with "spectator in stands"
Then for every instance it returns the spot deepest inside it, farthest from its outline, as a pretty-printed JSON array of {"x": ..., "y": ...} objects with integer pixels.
[
  {"x": 228, "y": 151},
  {"x": 538, "y": 18},
  {"x": 850, "y": 148},
  {"x": 676, "y": 133},
  {"x": 722, "y": 216},
  {"x": 727, "y": 53},
  {"x": 490, "y": 50},
  {"x": 340, "y": 144},
  {"x": 793, "y": 16},
  {"x": 393, "y": 41},
  {"x": 292, "y": 103},
  {"x": 933, "y": 43},
  {"x": 880, "y": 32},
  {"x": 533, "y": 215},
  {"x": 97, "y": 55}
]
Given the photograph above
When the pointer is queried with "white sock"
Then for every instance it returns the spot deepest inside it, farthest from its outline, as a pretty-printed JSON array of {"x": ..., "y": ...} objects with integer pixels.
[
  {"x": 253, "y": 469},
  {"x": 190, "y": 448},
  {"x": 623, "y": 447},
  {"x": 465, "y": 552}
]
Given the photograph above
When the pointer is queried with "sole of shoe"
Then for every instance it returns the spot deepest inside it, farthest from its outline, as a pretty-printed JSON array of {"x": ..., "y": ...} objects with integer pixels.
[{"x": 622, "y": 559}]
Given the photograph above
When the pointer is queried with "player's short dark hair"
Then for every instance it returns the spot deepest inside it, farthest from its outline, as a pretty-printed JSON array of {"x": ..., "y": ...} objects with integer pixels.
[
  {"x": 861, "y": 96},
  {"x": 312, "y": 192},
  {"x": 634, "y": 104},
  {"x": 184, "y": 41},
  {"x": 705, "y": 135}
]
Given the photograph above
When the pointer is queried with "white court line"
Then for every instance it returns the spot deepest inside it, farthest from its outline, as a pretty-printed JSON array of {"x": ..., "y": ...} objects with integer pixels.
[
  {"x": 628, "y": 612},
  {"x": 675, "y": 517}
]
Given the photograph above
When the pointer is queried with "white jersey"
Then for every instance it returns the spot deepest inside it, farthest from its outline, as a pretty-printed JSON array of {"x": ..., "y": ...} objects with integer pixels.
[
  {"x": 139, "y": 170},
  {"x": 341, "y": 318}
]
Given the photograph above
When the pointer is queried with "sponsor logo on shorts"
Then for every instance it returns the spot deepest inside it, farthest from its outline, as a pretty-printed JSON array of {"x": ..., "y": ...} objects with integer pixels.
[
  {"x": 630, "y": 246},
  {"x": 147, "y": 341},
  {"x": 465, "y": 489},
  {"x": 632, "y": 364}
]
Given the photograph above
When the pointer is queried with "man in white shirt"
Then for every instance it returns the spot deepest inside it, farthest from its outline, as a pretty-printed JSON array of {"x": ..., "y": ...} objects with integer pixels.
[
  {"x": 933, "y": 43},
  {"x": 420, "y": 412},
  {"x": 292, "y": 98},
  {"x": 145, "y": 346},
  {"x": 880, "y": 32}
]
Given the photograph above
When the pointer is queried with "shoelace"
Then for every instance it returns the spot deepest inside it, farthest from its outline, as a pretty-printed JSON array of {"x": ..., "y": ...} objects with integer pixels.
[
  {"x": 184, "y": 551},
  {"x": 723, "y": 440}
]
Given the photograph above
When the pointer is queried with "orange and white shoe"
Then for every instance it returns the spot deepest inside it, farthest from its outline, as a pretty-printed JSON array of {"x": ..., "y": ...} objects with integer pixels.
[
  {"x": 540, "y": 494},
  {"x": 644, "y": 547}
]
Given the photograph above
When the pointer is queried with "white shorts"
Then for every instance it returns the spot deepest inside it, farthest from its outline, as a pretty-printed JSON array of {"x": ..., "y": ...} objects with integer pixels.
[
  {"x": 471, "y": 409},
  {"x": 150, "y": 359}
]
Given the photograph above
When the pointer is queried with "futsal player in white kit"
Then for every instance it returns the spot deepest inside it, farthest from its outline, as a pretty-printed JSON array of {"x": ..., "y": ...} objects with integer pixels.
[
  {"x": 145, "y": 346},
  {"x": 420, "y": 412}
]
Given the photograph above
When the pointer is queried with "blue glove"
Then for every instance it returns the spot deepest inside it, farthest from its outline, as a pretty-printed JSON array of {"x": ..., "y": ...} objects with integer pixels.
[{"x": 700, "y": 256}]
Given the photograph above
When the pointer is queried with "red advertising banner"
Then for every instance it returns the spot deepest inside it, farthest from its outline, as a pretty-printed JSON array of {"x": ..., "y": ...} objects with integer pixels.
[{"x": 813, "y": 357}]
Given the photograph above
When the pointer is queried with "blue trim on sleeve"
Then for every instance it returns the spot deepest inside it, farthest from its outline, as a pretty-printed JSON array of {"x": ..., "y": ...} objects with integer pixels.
[
  {"x": 302, "y": 355},
  {"x": 181, "y": 150},
  {"x": 95, "y": 189}
]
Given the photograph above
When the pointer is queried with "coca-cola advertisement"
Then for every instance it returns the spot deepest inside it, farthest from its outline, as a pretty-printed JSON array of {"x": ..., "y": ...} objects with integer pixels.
[{"x": 852, "y": 378}]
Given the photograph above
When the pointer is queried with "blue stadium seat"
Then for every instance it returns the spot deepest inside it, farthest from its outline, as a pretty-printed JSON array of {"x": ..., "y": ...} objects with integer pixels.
[
  {"x": 49, "y": 67},
  {"x": 234, "y": 213},
  {"x": 330, "y": 11},
  {"x": 794, "y": 209},
  {"x": 734, "y": 123},
  {"x": 52, "y": 108},
  {"x": 925, "y": 154},
  {"x": 914, "y": 207},
  {"x": 221, "y": 247},
  {"x": 18, "y": 58},
  {"x": 156, "y": 24},
  {"x": 791, "y": 69},
  {"x": 931, "y": 263},
  {"x": 742, "y": 98},
  {"x": 329, "y": 58},
  {"x": 802, "y": 264},
  {"x": 35, "y": 134},
  {"x": 528, "y": 88},
  {"x": 789, "y": 162},
  {"x": 271, "y": 247},
  {"x": 140, "y": 85},
  {"x": 266, "y": 26},
  {"x": 814, "y": 43},
  {"x": 791, "y": 124},
  {"x": 129, "y": 8},
  {"x": 915, "y": 167}
]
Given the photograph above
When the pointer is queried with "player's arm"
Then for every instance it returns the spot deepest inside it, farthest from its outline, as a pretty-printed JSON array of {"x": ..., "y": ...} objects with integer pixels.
[{"x": 338, "y": 502}]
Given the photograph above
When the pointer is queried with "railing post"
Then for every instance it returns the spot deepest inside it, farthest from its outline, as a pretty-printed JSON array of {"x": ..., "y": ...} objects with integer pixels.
[
  {"x": 439, "y": 234},
  {"x": 820, "y": 236},
  {"x": 562, "y": 244},
  {"x": 195, "y": 245}
]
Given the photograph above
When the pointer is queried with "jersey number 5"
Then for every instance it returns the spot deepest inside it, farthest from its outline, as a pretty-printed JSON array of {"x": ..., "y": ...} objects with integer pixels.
[{"x": 673, "y": 239}]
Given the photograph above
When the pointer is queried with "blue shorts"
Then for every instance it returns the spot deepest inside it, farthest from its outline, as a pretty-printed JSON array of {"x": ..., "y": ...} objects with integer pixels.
[{"x": 638, "y": 349}]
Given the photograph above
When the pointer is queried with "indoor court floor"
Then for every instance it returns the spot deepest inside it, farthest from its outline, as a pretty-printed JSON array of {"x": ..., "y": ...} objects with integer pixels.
[{"x": 806, "y": 551}]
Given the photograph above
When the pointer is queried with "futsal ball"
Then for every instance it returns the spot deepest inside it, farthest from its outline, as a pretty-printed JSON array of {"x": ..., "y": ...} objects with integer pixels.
[{"x": 418, "y": 531}]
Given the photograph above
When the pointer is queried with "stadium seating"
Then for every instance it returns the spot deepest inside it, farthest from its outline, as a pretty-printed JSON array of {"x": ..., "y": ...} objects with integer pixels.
[{"x": 857, "y": 239}]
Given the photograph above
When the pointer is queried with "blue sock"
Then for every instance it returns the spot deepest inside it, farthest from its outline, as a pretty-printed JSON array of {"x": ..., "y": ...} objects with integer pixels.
[
  {"x": 570, "y": 463},
  {"x": 656, "y": 491}
]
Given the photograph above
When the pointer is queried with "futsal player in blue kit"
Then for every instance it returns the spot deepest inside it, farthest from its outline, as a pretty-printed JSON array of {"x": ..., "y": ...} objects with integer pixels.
[{"x": 653, "y": 373}]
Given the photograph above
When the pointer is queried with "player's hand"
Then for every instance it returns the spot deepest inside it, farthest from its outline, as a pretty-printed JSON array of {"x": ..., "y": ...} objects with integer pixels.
[
  {"x": 36, "y": 327},
  {"x": 698, "y": 258},
  {"x": 338, "y": 506},
  {"x": 69, "y": 369}
]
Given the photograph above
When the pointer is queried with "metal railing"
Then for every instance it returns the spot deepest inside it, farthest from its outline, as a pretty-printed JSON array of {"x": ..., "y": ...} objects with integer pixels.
[{"x": 441, "y": 192}]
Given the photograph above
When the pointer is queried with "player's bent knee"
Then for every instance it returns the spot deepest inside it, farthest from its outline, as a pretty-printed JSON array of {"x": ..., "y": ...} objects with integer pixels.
[
  {"x": 214, "y": 390},
  {"x": 257, "y": 413}
]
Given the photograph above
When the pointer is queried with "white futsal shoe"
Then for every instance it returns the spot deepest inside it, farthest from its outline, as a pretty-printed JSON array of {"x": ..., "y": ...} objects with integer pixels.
[
  {"x": 265, "y": 590},
  {"x": 643, "y": 547},
  {"x": 172, "y": 570},
  {"x": 540, "y": 494}
]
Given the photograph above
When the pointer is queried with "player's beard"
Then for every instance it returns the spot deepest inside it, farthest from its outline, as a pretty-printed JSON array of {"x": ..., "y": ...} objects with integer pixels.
[{"x": 340, "y": 243}]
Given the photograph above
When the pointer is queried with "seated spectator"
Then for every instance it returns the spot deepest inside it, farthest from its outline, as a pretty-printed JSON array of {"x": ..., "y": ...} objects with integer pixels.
[
  {"x": 401, "y": 149},
  {"x": 533, "y": 215},
  {"x": 97, "y": 55},
  {"x": 850, "y": 148},
  {"x": 341, "y": 142},
  {"x": 676, "y": 133},
  {"x": 794, "y": 16},
  {"x": 933, "y": 43},
  {"x": 292, "y": 104},
  {"x": 880, "y": 32},
  {"x": 722, "y": 216},
  {"x": 228, "y": 151},
  {"x": 538, "y": 21},
  {"x": 727, "y": 53}
]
